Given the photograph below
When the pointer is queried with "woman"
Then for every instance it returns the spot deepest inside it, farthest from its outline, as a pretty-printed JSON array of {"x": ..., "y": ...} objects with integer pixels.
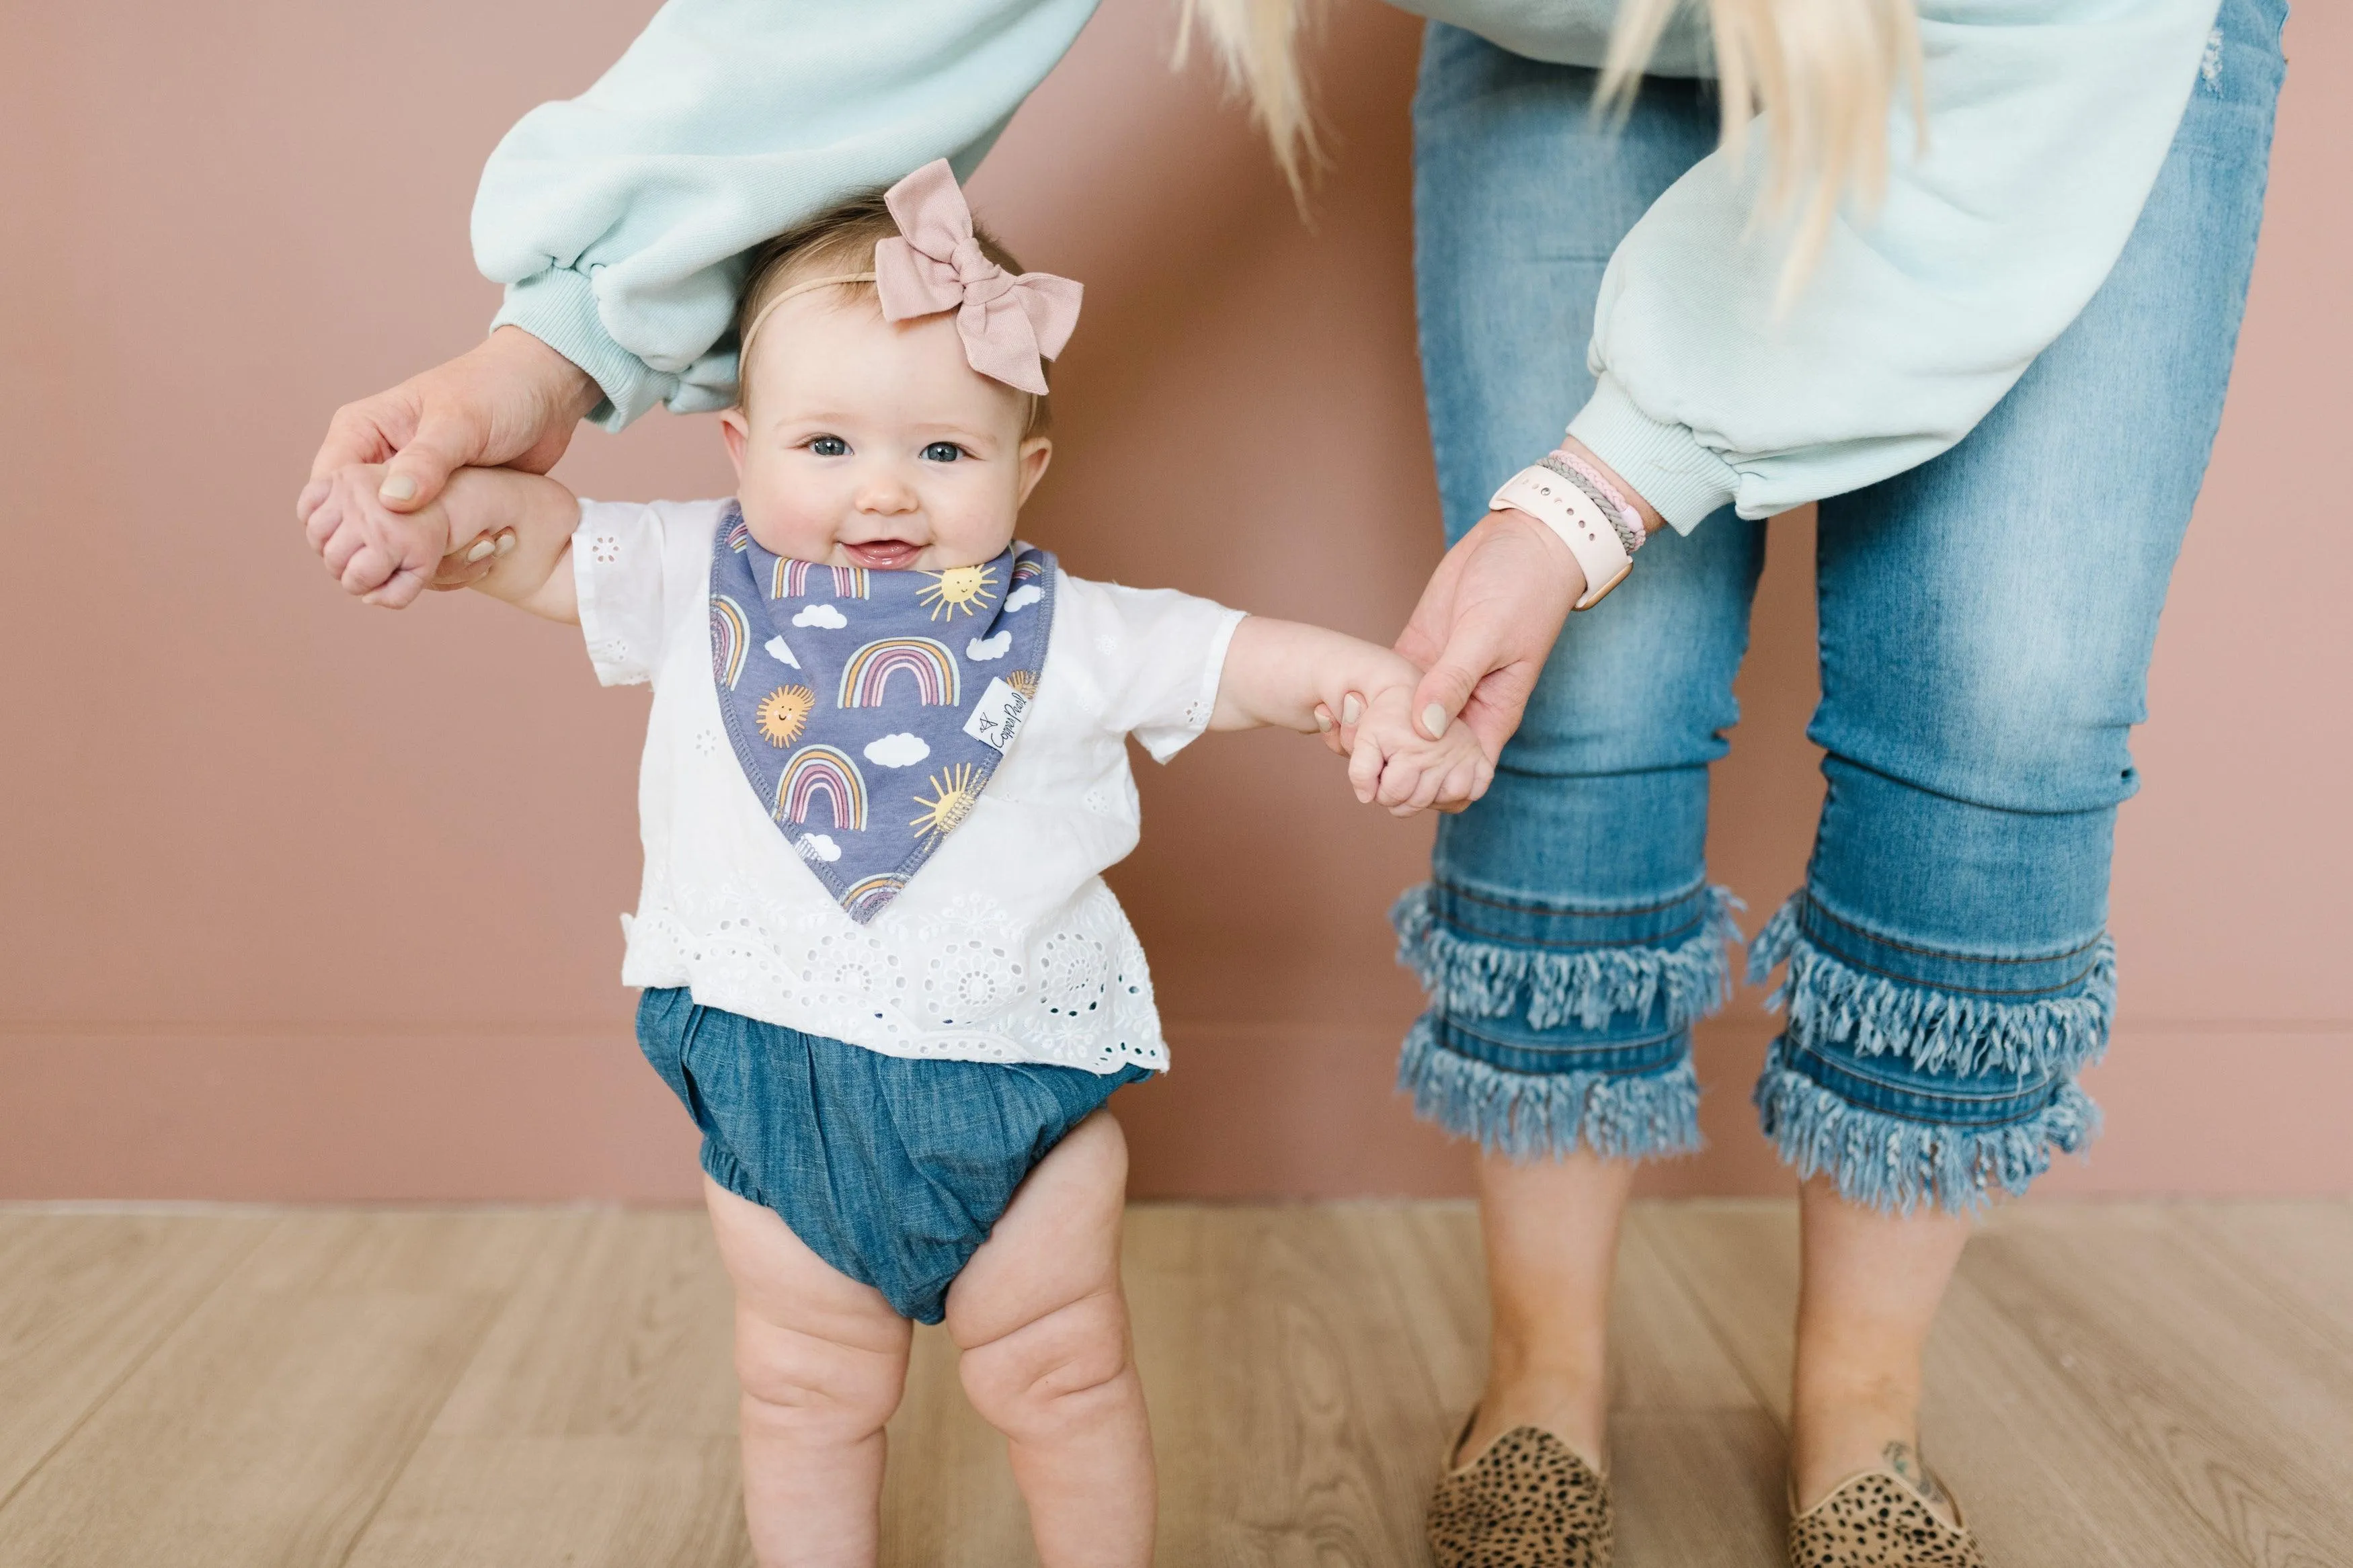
[{"x": 1992, "y": 340}]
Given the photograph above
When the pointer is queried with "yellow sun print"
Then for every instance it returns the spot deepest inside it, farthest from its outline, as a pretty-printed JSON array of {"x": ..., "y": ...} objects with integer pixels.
[
  {"x": 962, "y": 588},
  {"x": 1025, "y": 681},
  {"x": 957, "y": 790},
  {"x": 784, "y": 712}
]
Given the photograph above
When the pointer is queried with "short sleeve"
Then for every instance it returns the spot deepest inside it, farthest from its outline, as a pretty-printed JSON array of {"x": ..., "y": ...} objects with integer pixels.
[
  {"x": 1154, "y": 657},
  {"x": 616, "y": 566}
]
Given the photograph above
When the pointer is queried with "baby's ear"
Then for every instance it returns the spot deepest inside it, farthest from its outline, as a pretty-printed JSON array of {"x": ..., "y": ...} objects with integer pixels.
[
  {"x": 1036, "y": 453},
  {"x": 735, "y": 431}
]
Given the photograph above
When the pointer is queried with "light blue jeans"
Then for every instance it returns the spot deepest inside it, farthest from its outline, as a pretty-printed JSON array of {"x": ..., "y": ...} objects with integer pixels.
[{"x": 1986, "y": 626}]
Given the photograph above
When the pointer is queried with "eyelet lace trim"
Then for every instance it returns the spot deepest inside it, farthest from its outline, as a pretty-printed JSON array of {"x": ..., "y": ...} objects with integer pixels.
[{"x": 968, "y": 983}]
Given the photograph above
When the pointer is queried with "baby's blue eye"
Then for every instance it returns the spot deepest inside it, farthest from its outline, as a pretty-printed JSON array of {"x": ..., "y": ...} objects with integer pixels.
[
  {"x": 943, "y": 452},
  {"x": 829, "y": 446}
]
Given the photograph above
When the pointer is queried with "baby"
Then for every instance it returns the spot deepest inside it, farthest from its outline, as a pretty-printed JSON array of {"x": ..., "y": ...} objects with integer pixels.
[{"x": 885, "y": 768}]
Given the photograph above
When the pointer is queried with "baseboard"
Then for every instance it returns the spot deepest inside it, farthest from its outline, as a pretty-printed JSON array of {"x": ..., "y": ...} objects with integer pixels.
[{"x": 1251, "y": 1112}]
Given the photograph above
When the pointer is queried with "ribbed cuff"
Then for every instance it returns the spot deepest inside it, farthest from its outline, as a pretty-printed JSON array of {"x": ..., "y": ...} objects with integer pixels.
[
  {"x": 559, "y": 309},
  {"x": 1664, "y": 463}
]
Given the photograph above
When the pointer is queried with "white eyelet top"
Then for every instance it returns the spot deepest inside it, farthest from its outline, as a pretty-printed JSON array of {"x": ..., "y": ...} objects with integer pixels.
[{"x": 1007, "y": 946}]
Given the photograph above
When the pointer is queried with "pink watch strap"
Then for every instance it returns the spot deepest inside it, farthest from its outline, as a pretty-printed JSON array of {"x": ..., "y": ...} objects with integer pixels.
[{"x": 1569, "y": 511}]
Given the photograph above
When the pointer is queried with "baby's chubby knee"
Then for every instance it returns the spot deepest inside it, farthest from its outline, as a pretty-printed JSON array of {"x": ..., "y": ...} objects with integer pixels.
[
  {"x": 819, "y": 1389},
  {"x": 1054, "y": 1371}
]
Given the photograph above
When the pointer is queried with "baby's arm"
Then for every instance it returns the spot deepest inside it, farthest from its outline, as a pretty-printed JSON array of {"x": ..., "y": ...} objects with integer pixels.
[
  {"x": 1279, "y": 673},
  {"x": 522, "y": 522}
]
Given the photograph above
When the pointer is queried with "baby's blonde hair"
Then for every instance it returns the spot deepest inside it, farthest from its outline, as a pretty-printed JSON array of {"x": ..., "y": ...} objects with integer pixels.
[
  {"x": 1828, "y": 70},
  {"x": 840, "y": 242}
]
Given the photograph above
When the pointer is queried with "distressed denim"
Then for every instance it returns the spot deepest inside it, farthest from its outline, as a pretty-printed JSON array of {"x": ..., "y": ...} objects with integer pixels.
[{"x": 1985, "y": 618}]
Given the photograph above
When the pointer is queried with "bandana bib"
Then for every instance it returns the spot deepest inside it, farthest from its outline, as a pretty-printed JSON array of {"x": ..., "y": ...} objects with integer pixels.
[{"x": 869, "y": 709}]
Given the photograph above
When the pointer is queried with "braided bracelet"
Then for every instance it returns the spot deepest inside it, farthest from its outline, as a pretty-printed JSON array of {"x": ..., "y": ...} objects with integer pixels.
[{"x": 1569, "y": 496}]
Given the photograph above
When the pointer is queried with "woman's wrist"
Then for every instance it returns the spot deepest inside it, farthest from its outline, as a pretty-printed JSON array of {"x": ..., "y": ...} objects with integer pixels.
[
  {"x": 1578, "y": 498},
  {"x": 1563, "y": 567},
  {"x": 1651, "y": 520},
  {"x": 566, "y": 391}
]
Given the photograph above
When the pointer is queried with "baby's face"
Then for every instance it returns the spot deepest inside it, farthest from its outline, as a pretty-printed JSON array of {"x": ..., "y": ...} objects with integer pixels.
[{"x": 864, "y": 443}]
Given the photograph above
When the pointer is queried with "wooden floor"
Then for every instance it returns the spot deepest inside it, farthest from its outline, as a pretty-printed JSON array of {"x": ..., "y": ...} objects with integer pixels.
[{"x": 2137, "y": 1385}]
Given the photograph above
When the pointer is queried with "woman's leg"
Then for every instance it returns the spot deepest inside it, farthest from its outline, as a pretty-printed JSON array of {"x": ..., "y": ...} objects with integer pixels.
[
  {"x": 1986, "y": 621},
  {"x": 1568, "y": 937},
  {"x": 1042, "y": 1323},
  {"x": 823, "y": 1361},
  {"x": 1551, "y": 1232}
]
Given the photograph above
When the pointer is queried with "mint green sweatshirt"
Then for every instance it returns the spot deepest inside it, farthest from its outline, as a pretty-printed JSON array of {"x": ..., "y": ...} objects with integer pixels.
[{"x": 618, "y": 220}]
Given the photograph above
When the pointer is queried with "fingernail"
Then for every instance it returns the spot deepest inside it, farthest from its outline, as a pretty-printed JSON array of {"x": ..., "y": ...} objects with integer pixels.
[
  {"x": 397, "y": 487},
  {"x": 483, "y": 548},
  {"x": 1351, "y": 710},
  {"x": 1433, "y": 721},
  {"x": 507, "y": 541},
  {"x": 1322, "y": 722}
]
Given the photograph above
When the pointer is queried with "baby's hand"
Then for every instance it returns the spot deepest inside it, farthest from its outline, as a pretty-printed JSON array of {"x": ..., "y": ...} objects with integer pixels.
[
  {"x": 384, "y": 556},
  {"x": 1395, "y": 765}
]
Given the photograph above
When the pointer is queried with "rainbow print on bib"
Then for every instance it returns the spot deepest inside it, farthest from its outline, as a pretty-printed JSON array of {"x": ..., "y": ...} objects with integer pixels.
[{"x": 869, "y": 709}]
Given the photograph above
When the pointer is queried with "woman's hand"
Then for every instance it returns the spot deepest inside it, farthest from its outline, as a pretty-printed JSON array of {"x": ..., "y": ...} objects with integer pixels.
[
  {"x": 1486, "y": 624},
  {"x": 1480, "y": 634},
  {"x": 511, "y": 401}
]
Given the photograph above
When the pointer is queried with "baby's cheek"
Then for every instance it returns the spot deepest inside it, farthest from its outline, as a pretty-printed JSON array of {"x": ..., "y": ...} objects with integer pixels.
[
  {"x": 795, "y": 521},
  {"x": 973, "y": 527}
]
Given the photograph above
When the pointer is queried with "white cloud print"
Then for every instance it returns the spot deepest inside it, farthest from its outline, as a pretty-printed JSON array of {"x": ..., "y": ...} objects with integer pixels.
[
  {"x": 989, "y": 647},
  {"x": 824, "y": 615},
  {"x": 1024, "y": 597},
  {"x": 818, "y": 847},
  {"x": 899, "y": 750},
  {"x": 779, "y": 650}
]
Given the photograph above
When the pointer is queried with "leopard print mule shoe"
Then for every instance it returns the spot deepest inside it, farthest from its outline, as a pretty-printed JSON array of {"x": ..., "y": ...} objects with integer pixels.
[
  {"x": 1877, "y": 1520},
  {"x": 1527, "y": 1501}
]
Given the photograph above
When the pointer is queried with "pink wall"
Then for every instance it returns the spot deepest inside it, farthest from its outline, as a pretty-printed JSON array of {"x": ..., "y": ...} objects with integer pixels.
[{"x": 308, "y": 900}]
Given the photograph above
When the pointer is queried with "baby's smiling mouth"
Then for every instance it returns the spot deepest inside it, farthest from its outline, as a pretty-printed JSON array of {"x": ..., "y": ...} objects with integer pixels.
[{"x": 882, "y": 554}]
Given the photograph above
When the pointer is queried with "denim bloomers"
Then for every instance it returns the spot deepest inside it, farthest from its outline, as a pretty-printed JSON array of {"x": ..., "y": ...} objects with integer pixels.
[
  {"x": 1985, "y": 624},
  {"x": 890, "y": 1168}
]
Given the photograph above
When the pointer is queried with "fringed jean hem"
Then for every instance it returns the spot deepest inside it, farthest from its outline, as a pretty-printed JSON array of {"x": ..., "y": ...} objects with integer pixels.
[
  {"x": 1913, "y": 1077},
  {"x": 1910, "y": 1078},
  {"x": 1554, "y": 1030}
]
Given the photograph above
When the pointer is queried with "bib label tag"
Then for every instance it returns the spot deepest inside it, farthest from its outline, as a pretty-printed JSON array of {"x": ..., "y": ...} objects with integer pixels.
[{"x": 996, "y": 718}]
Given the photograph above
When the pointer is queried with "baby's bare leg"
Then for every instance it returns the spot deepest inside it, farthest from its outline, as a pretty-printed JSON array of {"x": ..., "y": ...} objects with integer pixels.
[
  {"x": 1043, "y": 1327},
  {"x": 823, "y": 1360}
]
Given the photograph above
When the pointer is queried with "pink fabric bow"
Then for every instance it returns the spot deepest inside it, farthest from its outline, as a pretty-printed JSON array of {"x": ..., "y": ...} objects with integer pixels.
[{"x": 1008, "y": 323}]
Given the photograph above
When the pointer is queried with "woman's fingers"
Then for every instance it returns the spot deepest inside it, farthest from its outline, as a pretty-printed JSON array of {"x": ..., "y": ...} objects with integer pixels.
[
  {"x": 448, "y": 439},
  {"x": 1469, "y": 656},
  {"x": 367, "y": 431}
]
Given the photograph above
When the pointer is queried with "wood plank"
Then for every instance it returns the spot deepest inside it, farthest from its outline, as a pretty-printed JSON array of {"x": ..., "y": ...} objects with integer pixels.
[
  {"x": 2302, "y": 1251},
  {"x": 948, "y": 1498},
  {"x": 2198, "y": 1372},
  {"x": 622, "y": 1327},
  {"x": 84, "y": 1298},
  {"x": 1300, "y": 1422},
  {"x": 2119, "y": 1386},
  {"x": 1663, "y": 1356},
  {"x": 562, "y": 1503},
  {"x": 1171, "y": 1293},
  {"x": 1739, "y": 1260},
  {"x": 268, "y": 1426},
  {"x": 2044, "y": 1479},
  {"x": 595, "y": 1423},
  {"x": 1698, "y": 1489}
]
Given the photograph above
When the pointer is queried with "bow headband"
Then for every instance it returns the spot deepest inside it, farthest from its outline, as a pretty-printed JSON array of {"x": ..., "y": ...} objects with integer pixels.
[{"x": 1008, "y": 323}]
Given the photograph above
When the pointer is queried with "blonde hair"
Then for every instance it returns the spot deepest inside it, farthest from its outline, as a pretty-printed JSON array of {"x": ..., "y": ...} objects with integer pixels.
[
  {"x": 839, "y": 243},
  {"x": 1827, "y": 70}
]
